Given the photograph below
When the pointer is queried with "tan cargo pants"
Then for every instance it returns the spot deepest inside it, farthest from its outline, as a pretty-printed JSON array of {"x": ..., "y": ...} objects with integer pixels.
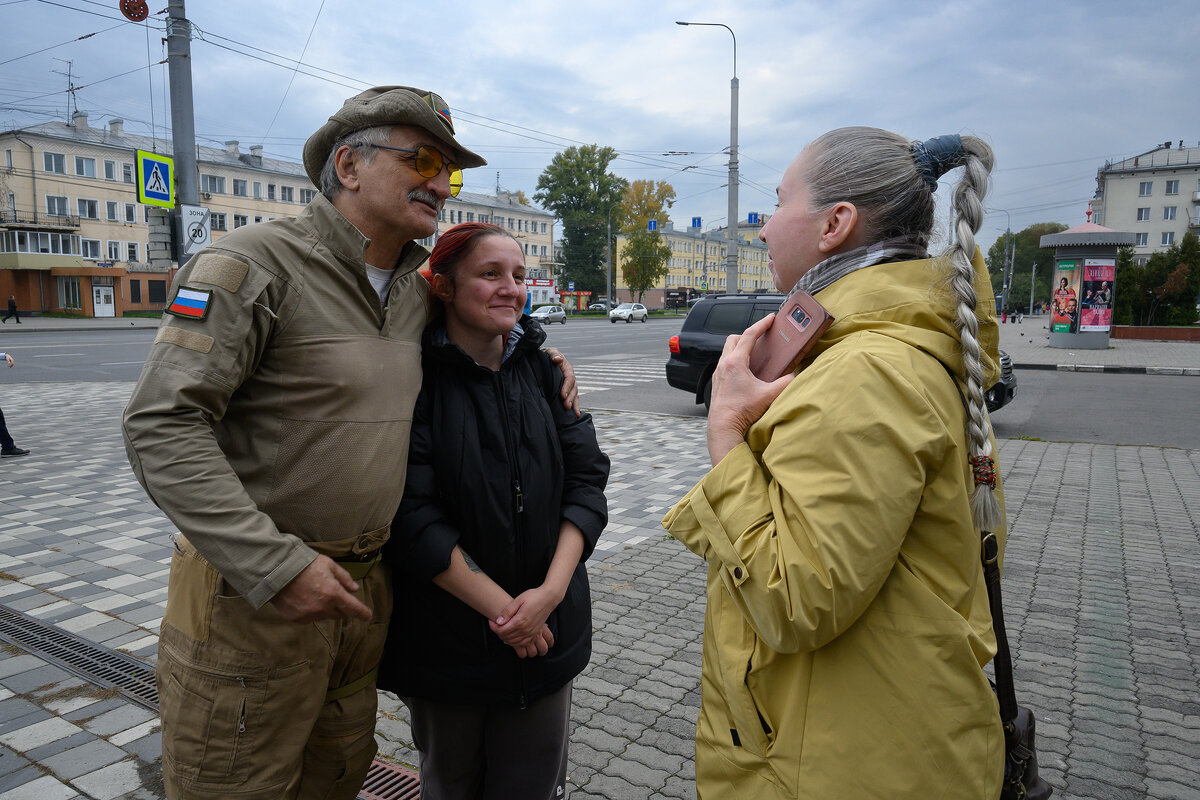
[{"x": 242, "y": 692}]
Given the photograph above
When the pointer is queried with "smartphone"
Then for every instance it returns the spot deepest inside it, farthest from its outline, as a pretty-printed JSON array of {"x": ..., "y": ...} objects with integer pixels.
[{"x": 798, "y": 324}]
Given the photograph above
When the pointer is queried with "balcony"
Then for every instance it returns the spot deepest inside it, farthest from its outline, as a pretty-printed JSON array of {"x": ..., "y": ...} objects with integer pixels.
[
  {"x": 31, "y": 219},
  {"x": 1196, "y": 197},
  {"x": 1194, "y": 222}
]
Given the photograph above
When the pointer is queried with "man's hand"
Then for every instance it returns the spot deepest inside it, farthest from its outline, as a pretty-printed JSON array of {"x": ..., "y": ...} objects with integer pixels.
[
  {"x": 570, "y": 391},
  {"x": 323, "y": 590},
  {"x": 9, "y": 359}
]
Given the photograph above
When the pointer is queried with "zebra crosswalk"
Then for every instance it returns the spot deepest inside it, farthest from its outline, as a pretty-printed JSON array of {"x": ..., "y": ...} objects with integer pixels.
[{"x": 599, "y": 376}]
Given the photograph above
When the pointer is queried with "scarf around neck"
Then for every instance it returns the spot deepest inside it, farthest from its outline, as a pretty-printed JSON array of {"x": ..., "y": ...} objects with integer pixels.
[{"x": 842, "y": 264}]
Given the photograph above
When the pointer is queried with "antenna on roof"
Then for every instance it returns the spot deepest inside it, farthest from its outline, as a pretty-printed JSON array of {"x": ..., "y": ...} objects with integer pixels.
[{"x": 71, "y": 87}]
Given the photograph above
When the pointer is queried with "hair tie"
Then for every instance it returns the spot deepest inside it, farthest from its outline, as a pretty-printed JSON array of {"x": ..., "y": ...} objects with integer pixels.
[
  {"x": 937, "y": 156},
  {"x": 984, "y": 469}
]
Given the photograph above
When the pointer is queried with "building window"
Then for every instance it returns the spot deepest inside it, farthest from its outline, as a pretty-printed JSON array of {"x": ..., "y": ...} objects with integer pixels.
[
  {"x": 110, "y": 211},
  {"x": 8, "y": 162},
  {"x": 1172, "y": 187},
  {"x": 240, "y": 188},
  {"x": 1141, "y": 239},
  {"x": 1168, "y": 213},
  {"x": 130, "y": 212},
  {"x": 307, "y": 195},
  {"x": 1143, "y": 214},
  {"x": 127, "y": 173},
  {"x": 88, "y": 209},
  {"x": 1168, "y": 238},
  {"x": 90, "y": 248},
  {"x": 287, "y": 194},
  {"x": 1144, "y": 188},
  {"x": 270, "y": 191},
  {"x": 239, "y": 221},
  {"x": 85, "y": 167},
  {"x": 257, "y": 219},
  {"x": 257, "y": 190},
  {"x": 110, "y": 170},
  {"x": 157, "y": 291},
  {"x": 54, "y": 162},
  {"x": 114, "y": 251},
  {"x": 135, "y": 291},
  {"x": 68, "y": 292},
  {"x": 56, "y": 206},
  {"x": 213, "y": 184},
  {"x": 470, "y": 216},
  {"x": 543, "y": 251},
  {"x": 131, "y": 251},
  {"x": 218, "y": 222}
]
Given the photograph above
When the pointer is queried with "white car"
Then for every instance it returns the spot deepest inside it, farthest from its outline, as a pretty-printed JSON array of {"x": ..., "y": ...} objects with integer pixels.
[
  {"x": 548, "y": 314},
  {"x": 628, "y": 312}
]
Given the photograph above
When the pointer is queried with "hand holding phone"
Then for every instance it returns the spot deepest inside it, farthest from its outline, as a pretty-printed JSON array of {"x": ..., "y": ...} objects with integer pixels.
[{"x": 797, "y": 326}]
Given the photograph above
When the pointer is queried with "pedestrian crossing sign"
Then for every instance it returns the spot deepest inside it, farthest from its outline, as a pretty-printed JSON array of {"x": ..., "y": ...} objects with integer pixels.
[{"x": 155, "y": 177}]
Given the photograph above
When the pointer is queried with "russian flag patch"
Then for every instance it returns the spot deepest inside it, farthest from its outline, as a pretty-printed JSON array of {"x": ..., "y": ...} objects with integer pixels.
[{"x": 190, "y": 303}]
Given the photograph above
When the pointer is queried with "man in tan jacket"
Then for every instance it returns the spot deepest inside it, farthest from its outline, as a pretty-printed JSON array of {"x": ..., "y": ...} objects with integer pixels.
[{"x": 271, "y": 424}]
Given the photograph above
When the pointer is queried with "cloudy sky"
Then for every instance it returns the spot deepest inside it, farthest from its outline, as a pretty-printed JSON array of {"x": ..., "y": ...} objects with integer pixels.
[{"x": 1057, "y": 87}]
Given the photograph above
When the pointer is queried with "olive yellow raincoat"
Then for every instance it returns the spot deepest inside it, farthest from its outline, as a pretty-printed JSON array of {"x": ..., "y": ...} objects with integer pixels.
[{"x": 847, "y": 623}]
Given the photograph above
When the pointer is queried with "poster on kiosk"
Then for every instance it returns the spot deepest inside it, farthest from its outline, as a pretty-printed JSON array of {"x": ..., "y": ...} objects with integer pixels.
[
  {"x": 1064, "y": 304},
  {"x": 1096, "y": 294}
]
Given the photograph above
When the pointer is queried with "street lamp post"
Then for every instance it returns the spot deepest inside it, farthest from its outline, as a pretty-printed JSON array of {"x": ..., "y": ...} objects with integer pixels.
[{"x": 731, "y": 255}]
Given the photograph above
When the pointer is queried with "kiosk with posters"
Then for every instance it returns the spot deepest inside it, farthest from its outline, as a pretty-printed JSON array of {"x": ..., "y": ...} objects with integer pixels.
[{"x": 1081, "y": 300}]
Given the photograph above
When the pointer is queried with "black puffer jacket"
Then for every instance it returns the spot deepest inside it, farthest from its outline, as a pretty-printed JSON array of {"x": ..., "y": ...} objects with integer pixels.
[{"x": 495, "y": 465}]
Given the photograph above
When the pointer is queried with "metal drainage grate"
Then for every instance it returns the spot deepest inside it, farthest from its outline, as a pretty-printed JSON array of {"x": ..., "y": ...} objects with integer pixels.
[
  {"x": 134, "y": 679},
  {"x": 390, "y": 782},
  {"x": 104, "y": 667}
]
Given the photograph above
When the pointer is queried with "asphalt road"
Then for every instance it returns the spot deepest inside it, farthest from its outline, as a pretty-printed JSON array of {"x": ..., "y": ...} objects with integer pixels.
[{"x": 1120, "y": 409}]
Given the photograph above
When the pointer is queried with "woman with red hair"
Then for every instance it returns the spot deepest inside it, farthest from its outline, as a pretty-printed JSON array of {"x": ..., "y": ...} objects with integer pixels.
[{"x": 503, "y": 503}]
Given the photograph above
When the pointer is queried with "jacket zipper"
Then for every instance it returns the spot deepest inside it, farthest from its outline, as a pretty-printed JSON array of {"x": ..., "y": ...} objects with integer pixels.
[{"x": 518, "y": 509}]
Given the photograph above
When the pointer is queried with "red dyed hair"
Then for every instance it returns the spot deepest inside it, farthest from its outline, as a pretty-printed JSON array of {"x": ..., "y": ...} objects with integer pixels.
[{"x": 455, "y": 244}]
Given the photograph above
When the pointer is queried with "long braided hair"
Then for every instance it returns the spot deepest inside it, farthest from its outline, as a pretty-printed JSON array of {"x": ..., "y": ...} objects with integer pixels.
[{"x": 891, "y": 180}]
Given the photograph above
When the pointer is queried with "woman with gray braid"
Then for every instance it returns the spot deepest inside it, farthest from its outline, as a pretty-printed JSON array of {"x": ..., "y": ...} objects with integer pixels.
[{"x": 847, "y": 623}]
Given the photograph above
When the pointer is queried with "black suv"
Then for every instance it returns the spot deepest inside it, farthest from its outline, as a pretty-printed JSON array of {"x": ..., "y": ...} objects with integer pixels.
[{"x": 697, "y": 348}]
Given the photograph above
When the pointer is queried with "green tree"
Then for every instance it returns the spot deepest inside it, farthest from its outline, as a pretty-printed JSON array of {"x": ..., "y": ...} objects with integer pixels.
[
  {"x": 582, "y": 193},
  {"x": 643, "y": 201},
  {"x": 1027, "y": 252},
  {"x": 1164, "y": 290},
  {"x": 644, "y": 260}
]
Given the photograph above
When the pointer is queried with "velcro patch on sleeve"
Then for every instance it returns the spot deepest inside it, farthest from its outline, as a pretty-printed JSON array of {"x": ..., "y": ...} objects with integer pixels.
[
  {"x": 192, "y": 340},
  {"x": 223, "y": 271},
  {"x": 190, "y": 303}
]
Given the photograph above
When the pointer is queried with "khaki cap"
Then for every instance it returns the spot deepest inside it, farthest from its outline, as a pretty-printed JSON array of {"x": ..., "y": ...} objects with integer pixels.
[{"x": 386, "y": 105}]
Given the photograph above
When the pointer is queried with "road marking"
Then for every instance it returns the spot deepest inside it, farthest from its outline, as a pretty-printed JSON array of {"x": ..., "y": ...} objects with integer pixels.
[
  {"x": 58, "y": 355},
  {"x": 120, "y": 363}
]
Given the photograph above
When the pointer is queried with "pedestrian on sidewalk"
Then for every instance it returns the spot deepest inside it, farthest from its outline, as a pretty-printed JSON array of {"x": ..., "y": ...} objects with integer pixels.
[
  {"x": 271, "y": 424},
  {"x": 8, "y": 448},
  {"x": 493, "y": 574},
  {"x": 12, "y": 311},
  {"x": 847, "y": 623}
]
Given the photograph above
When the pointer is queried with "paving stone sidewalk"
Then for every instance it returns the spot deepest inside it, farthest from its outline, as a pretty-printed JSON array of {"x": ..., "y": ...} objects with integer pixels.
[
  {"x": 1102, "y": 591},
  {"x": 1028, "y": 343}
]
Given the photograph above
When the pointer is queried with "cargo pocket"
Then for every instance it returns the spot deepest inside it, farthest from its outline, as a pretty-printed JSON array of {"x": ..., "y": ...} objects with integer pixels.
[{"x": 205, "y": 709}]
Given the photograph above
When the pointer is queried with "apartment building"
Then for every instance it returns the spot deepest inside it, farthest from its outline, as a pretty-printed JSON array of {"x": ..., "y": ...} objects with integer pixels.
[
  {"x": 532, "y": 227},
  {"x": 1154, "y": 195},
  {"x": 697, "y": 264},
  {"x": 73, "y": 237}
]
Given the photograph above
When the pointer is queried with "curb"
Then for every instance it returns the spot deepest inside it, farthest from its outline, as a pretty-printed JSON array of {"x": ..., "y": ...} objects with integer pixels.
[{"x": 1113, "y": 369}]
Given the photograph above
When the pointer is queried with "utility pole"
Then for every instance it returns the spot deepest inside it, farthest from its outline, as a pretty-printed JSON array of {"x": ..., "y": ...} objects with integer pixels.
[
  {"x": 1032, "y": 279},
  {"x": 608, "y": 276},
  {"x": 183, "y": 126}
]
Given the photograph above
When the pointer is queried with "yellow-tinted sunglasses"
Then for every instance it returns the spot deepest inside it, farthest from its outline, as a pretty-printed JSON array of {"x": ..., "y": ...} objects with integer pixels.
[{"x": 429, "y": 163}]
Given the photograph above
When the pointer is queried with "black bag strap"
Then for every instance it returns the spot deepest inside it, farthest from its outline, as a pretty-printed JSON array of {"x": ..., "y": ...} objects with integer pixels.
[{"x": 989, "y": 556}]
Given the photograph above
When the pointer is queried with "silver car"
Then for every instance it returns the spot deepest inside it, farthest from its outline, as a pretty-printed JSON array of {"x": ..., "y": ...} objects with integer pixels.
[
  {"x": 628, "y": 312},
  {"x": 548, "y": 314}
]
